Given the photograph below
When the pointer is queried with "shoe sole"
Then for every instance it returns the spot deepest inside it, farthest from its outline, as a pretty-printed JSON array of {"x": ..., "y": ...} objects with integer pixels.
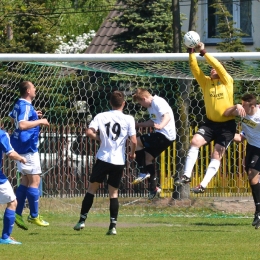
[
  {"x": 257, "y": 226},
  {"x": 197, "y": 192},
  {"x": 21, "y": 226},
  {"x": 111, "y": 233},
  {"x": 181, "y": 183},
  {"x": 156, "y": 195},
  {"x": 40, "y": 225},
  {"x": 140, "y": 180},
  {"x": 78, "y": 229}
]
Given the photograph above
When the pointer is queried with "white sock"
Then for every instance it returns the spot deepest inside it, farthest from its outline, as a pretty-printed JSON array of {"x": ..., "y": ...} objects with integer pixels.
[
  {"x": 191, "y": 160},
  {"x": 211, "y": 172}
]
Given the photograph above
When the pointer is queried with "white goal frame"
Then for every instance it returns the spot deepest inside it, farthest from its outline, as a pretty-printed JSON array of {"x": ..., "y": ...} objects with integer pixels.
[{"x": 126, "y": 57}]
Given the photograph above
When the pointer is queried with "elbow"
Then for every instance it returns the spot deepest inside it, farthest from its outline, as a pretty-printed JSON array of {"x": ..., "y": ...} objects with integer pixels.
[{"x": 22, "y": 128}]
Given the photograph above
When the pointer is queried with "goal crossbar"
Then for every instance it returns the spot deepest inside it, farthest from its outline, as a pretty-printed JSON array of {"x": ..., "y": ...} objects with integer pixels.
[{"x": 125, "y": 57}]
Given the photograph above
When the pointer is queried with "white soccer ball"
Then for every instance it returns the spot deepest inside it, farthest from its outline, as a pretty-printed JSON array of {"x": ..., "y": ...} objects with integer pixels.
[{"x": 191, "y": 39}]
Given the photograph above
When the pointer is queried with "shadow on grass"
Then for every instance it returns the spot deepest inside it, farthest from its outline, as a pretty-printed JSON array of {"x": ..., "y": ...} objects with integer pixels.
[{"x": 219, "y": 224}]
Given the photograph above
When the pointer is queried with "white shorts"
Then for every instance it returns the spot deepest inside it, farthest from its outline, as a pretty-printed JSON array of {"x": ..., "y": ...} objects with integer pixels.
[
  {"x": 32, "y": 166},
  {"x": 6, "y": 193}
]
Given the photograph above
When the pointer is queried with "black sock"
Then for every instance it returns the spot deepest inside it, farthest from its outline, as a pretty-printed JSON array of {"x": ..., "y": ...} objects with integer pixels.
[
  {"x": 86, "y": 205},
  {"x": 113, "y": 208},
  {"x": 256, "y": 195},
  {"x": 153, "y": 178},
  {"x": 140, "y": 159}
]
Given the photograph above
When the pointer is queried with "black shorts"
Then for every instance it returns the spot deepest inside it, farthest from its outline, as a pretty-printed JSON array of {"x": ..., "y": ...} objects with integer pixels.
[
  {"x": 155, "y": 143},
  {"x": 102, "y": 169},
  {"x": 252, "y": 160},
  {"x": 221, "y": 132}
]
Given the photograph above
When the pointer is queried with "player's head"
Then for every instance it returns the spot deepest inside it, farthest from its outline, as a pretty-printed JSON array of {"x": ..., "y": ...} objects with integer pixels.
[
  {"x": 143, "y": 97},
  {"x": 117, "y": 99},
  {"x": 213, "y": 72},
  {"x": 27, "y": 89},
  {"x": 249, "y": 103}
]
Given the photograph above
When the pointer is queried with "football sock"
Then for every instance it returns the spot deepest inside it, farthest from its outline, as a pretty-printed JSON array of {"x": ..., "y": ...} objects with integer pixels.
[
  {"x": 256, "y": 195},
  {"x": 191, "y": 160},
  {"x": 21, "y": 197},
  {"x": 33, "y": 196},
  {"x": 210, "y": 173},
  {"x": 86, "y": 205},
  {"x": 8, "y": 223},
  {"x": 113, "y": 208},
  {"x": 140, "y": 159},
  {"x": 153, "y": 178}
]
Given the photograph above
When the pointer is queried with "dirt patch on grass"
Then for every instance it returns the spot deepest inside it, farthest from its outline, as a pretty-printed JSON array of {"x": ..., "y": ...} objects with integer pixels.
[{"x": 242, "y": 205}]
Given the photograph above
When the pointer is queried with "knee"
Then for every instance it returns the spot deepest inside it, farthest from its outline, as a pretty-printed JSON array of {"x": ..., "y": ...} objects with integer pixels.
[
  {"x": 12, "y": 205},
  {"x": 148, "y": 158}
]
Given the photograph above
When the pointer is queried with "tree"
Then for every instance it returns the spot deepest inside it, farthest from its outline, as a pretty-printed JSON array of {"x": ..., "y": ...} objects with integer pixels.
[
  {"x": 32, "y": 25},
  {"x": 76, "y": 17},
  {"x": 230, "y": 35},
  {"x": 32, "y": 30},
  {"x": 147, "y": 26},
  {"x": 176, "y": 22}
]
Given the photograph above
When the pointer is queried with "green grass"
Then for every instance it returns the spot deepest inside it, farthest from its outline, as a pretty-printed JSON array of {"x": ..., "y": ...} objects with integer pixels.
[
  {"x": 139, "y": 237},
  {"x": 156, "y": 233}
]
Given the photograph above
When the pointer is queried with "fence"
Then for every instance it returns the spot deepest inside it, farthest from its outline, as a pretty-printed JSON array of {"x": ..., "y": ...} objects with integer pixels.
[{"x": 67, "y": 156}]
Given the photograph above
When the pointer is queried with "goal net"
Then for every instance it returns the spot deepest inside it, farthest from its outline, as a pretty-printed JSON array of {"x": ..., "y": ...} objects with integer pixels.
[{"x": 72, "y": 89}]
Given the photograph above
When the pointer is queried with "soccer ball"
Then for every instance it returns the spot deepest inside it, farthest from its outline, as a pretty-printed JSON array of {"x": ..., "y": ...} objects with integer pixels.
[{"x": 191, "y": 39}]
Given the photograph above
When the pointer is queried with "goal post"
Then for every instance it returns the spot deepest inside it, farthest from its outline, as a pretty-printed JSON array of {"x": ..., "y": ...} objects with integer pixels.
[{"x": 73, "y": 88}]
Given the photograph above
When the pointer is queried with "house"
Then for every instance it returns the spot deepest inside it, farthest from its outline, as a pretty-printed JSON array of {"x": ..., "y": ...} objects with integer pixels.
[{"x": 245, "y": 15}]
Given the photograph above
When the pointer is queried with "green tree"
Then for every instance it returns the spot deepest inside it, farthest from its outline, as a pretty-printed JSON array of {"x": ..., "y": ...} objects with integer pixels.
[
  {"x": 31, "y": 30},
  {"x": 76, "y": 17},
  {"x": 227, "y": 32},
  {"x": 147, "y": 24}
]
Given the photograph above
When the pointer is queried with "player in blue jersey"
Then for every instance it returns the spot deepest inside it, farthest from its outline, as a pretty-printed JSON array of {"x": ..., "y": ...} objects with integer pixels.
[
  {"x": 25, "y": 141},
  {"x": 6, "y": 191}
]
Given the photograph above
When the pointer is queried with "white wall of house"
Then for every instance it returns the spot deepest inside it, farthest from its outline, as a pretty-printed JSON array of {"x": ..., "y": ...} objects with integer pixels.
[{"x": 202, "y": 23}]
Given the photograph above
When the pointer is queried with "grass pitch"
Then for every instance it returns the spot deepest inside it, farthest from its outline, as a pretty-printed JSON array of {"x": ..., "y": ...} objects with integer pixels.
[{"x": 144, "y": 232}]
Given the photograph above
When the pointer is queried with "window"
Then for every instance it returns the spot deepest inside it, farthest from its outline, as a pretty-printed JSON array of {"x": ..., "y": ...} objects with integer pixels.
[{"x": 242, "y": 16}]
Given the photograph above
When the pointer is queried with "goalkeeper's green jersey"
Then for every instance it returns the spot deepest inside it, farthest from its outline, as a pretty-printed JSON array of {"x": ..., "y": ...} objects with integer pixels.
[{"x": 218, "y": 93}]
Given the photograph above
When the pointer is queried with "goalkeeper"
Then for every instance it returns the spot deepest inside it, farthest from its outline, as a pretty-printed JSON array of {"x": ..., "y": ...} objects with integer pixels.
[{"x": 217, "y": 91}]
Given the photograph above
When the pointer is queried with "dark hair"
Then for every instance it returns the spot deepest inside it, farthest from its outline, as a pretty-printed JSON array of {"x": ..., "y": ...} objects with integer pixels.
[
  {"x": 23, "y": 86},
  {"x": 117, "y": 98},
  {"x": 250, "y": 98}
]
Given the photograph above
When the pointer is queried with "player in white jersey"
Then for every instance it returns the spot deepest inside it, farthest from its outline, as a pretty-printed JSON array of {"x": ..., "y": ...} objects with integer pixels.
[
  {"x": 25, "y": 141},
  {"x": 112, "y": 129},
  {"x": 151, "y": 145},
  {"x": 6, "y": 191},
  {"x": 250, "y": 114}
]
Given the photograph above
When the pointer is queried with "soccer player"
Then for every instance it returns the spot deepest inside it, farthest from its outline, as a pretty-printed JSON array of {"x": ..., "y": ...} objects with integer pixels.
[
  {"x": 25, "y": 141},
  {"x": 6, "y": 191},
  {"x": 250, "y": 114},
  {"x": 112, "y": 129},
  {"x": 217, "y": 90},
  {"x": 151, "y": 145}
]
